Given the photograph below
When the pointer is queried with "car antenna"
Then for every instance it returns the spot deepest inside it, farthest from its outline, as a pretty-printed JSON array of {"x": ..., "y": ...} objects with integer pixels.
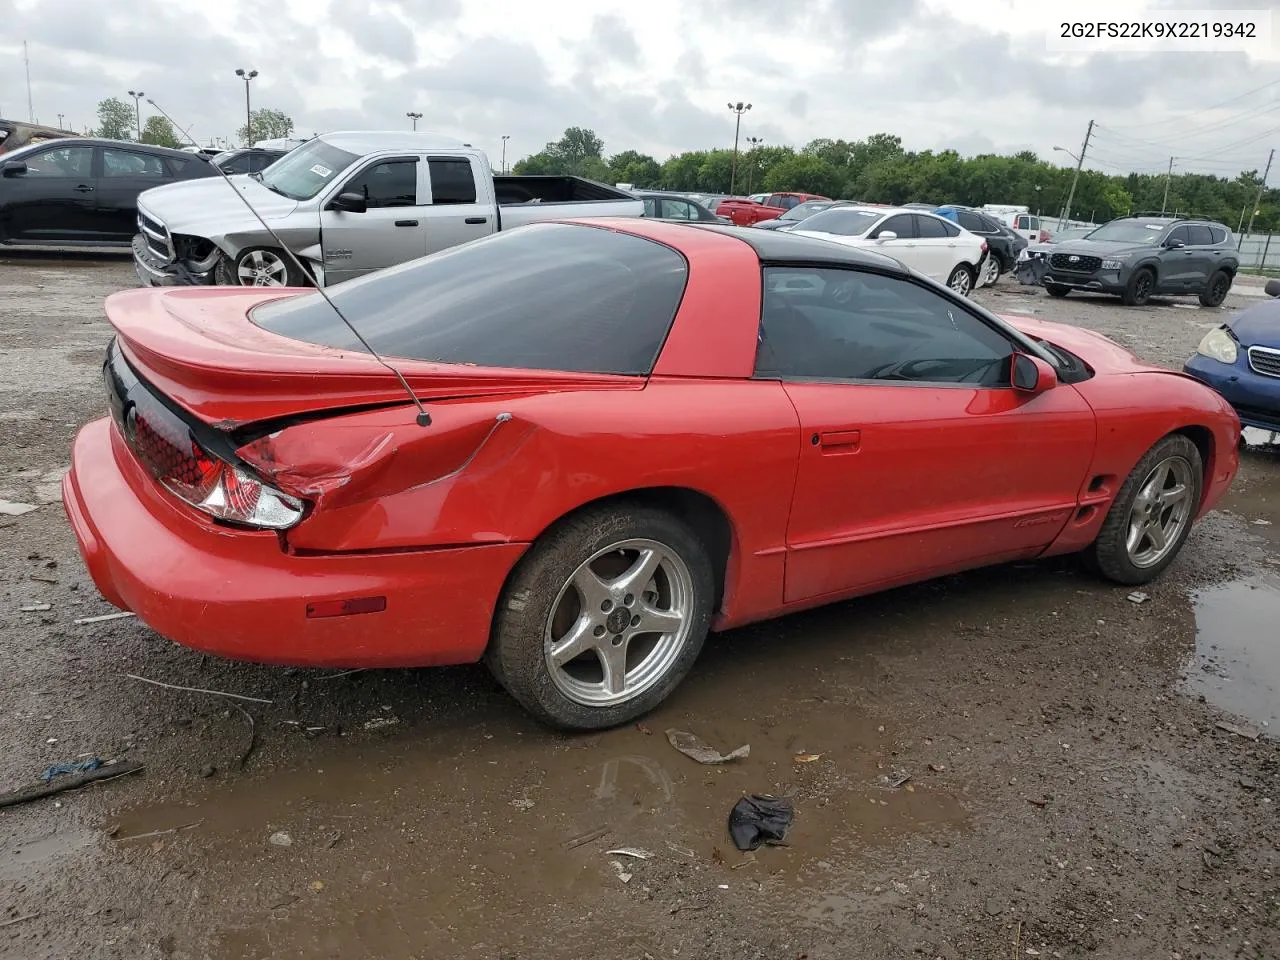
[{"x": 423, "y": 418}]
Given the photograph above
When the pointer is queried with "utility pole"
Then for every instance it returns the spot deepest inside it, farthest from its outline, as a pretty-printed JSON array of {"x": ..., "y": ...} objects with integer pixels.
[
  {"x": 1167, "y": 177},
  {"x": 137, "y": 110},
  {"x": 505, "y": 138},
  {"x": 751, "y": 169},
  {"x": 1261, "y": 187},
  {"x": 739, "y": 108},
  {"x": 1071, "y": 194},
  {"x": 26, "y": 59}
]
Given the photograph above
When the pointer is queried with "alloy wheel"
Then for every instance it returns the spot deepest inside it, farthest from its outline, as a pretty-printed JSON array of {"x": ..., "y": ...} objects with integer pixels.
[{"x": 1160, "y": 513}]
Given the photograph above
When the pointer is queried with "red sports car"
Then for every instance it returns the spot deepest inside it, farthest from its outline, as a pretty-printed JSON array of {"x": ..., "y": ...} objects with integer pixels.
[{"x": 633, "y": 432}]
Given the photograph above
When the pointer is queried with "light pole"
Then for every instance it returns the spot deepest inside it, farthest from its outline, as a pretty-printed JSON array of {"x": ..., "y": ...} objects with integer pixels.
[
  {"x": 1037, "y": 201},
  {"x": 246, "y": 76},
  {"x": 739, "y": 109},
  {"x": 505, "y": 138},
  {"x": 415, "y": 117},
  {"x": 137, "y": 110},
  {"x": 60, "y": 121},
  {"x": 751, "y": 167}
]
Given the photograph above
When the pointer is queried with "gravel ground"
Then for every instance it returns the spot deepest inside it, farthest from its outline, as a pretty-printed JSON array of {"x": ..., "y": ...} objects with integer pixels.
[{"x": 1072, "y": 793}]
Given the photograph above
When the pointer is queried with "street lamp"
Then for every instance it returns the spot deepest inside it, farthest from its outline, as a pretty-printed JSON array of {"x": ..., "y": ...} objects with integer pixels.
[
  {"x": 415, "y": 117},
  {"x": 248, "y": 115},
  {"x": 137, "y": 110},
  {"x": 738, "y": 108},
  {"x": 60, "y": 121},
  {"x": 505, "y": 138},
  {"x": 1068, "y": 153},
  {"x": 751, "y": 169}
]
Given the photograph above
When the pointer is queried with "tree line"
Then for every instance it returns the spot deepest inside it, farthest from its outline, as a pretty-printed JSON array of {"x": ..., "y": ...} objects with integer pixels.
[
  {"x": 118, "y": 120},
  {"x": 879, "y": 170}
]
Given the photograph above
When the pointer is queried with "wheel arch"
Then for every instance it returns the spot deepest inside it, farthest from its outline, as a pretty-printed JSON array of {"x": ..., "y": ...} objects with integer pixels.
[{"x": 1202, "y": 437}]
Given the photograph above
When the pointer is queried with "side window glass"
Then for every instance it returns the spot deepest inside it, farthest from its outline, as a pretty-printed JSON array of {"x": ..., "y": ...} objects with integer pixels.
[
  {"x": 971, "y": 221},
  {"x": 833, "y": 324},
  {"x": 650, "y": 207},
  {"x": 679, "y": 209},
  {"x": 451, "y": 180},
  {"x": 63, "y": 162},
  {"x": 1200, "y": 235},
  {"x": 393, "y": 183},
  {"x": 1033, "y": 223},
  {"x": 929, "y": 228},
  {"x": 1179, "y": 233},
  {"x": 1219, "y": 234},
  {"x": 237, "y": 165},
  {"x": 901, "y": 225},
  {"x": 124, "y": 163}
]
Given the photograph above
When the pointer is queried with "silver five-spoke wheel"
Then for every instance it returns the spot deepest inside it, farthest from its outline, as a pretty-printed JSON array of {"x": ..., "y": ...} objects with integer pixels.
[
  {"x": 1159, "y": 513},
  {"x": 619, "y": 623},
  {"x": 262, "y": 268}
]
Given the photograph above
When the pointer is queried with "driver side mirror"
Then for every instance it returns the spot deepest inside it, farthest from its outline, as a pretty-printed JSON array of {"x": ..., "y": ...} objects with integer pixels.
[
  {"x": 14, "y": 168},
  {"x": 1031, "y": 375},
  {"x": 349, "y": 202},
  {"x": 1174, "y": 244},
  {"x": 884, "y": 235}
]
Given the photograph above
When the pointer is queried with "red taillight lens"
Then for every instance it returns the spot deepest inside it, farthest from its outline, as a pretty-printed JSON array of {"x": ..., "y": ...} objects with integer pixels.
[{"x": 984, "y": 246}]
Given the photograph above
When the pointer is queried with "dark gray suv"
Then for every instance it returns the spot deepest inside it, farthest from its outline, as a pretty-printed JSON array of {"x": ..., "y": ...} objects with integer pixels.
[{"x": 1138, "y": 257}]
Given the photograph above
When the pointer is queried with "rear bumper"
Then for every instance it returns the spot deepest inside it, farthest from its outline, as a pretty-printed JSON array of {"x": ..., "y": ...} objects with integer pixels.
[
  {"x": 1254, "y": 397},
  {"x": 239, "y": 594}
]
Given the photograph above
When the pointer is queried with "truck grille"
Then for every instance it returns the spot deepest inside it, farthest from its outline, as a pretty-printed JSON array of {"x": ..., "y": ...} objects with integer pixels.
[
  {"x": 156, "y": 236},
  {"x": 1265, "y": 360},
  {"x": 1075, "y": 263}
]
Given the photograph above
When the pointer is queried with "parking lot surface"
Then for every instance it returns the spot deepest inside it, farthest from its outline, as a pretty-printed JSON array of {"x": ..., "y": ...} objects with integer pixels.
[{"x": 1075, "y": 785}]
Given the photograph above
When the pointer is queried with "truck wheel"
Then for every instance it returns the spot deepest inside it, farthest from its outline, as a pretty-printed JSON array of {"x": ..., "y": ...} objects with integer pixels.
[
  {"x": 259, "y": 267},
  {"x": 1215, "y": 291},
  {"x": 1139, "y": 288},
  {"x": 1151, "y": 517},
  {"x": 603, "y": 618},
  {"x": 1056, "y": 289}
]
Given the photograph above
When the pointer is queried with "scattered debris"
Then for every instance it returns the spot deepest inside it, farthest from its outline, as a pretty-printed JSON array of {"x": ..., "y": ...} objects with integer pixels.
[
  {"x": 10, "y": 508},
  {"x": 1262, "y": 523},
  {"x": 159, "y": 833},
  {"x": 698, "y": 749},
  {"x": 333, "y": 841},
  {"x": 280, "y": 839},
  {"x": 596, "y": 834},
  {"x": 377, "y": 723},
  {"x": 107, "y": 771},
  {"x": 806, "y": 757},
  {"x": 622, "y": 871},
  {"x": 42, "y": 579},
  {"x": 1040, "y": 802},
  {"x": 643, "y": 729},
  {"x": 35, "y": 607},
  {"x": 894, "y": 780},
  {"x": 938, "y": 767},
  {"x": 207, "y": 771},
  {"x": 760, "y": 818},
  {"x": 253, "y": 737},
  {"x": 10, "y": 923},
  {"x": 1138, "y": 597},
  {"x": 76, "y": 766},
  {"x": 212, "y": 693},
  {"x": 1249, "y": 733},
  {"x": 522, "y": 804},
  {"x": 635, "y": 852},
  {"x": 1248, "y": 783},
  {"x": 103, "y": 618},
  {"x": 683, "y": 851}
]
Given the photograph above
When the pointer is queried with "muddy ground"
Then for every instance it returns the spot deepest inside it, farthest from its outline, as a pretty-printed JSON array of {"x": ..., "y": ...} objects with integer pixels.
[{"x": 1071, "y": 793}]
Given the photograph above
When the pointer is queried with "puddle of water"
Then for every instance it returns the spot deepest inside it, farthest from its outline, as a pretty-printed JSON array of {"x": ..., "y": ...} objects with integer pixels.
[
  {"x": 1237, "y": 661},
  {"x": 27, "y": 854}
]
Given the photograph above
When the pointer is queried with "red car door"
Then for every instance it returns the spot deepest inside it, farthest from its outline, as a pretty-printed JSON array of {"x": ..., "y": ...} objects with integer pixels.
[{"x": 916, "y": 458}]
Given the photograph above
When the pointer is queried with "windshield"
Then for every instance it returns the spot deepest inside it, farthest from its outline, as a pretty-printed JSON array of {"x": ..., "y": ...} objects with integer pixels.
[
  {"x": 1129, "y": 231},
  {"x": 808, "y": 208},
  {"x": 1075, "y": 233},
  {"x": 842, "y": 222},
  {"x": 304, "y": 172},
  {"x": 549, "y": 296}
]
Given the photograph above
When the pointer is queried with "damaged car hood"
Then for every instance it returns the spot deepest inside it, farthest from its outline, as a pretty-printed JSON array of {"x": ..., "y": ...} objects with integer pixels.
[
  {"x": 1114, "y": 249},
  {"x": 208, "y": 207}
]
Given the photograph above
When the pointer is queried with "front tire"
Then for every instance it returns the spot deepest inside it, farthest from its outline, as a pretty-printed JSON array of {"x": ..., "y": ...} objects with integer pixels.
[
  {"x": 1216, "y": 289},
  {"x": 961, "y": 280},
  {"x": 603, "y": 618},
  {"x": 1151, "y": 517},
  {"x": 1139, "y": 288},
  {"x": 1056, "y": 290},
  {"x": 259, "y": 267}
]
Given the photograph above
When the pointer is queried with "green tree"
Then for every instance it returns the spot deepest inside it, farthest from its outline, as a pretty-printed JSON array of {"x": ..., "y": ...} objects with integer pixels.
[
  {"x": 805, "y": 173},
  {"x": 638, "y": 169},
  {"x": 115, "y": 119},
  {"x": 159, "y": 131},
  {"x": 268, "y": 124},
  {"x": 681, "y": 171}
]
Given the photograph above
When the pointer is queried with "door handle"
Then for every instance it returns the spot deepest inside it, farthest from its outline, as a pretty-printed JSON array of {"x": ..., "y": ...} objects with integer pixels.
[
  {"x": 406, "y": 223},
  {"x": 473, "y": 220},
  {"x": 838, "y": 441},
  {"x": 84, "y": 188}
]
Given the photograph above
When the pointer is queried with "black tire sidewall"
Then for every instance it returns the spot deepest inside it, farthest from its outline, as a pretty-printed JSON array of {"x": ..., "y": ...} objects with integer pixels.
[
  {"x": 1107, "y": 554},
  {"x": 1131, "y": 288},
  {"x": 515, "y": 655},
  {"x": 1207, "y": 299},
  {"x": 1056, "y": 290}
]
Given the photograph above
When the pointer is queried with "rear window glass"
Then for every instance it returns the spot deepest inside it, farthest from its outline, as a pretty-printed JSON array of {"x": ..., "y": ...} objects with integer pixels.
[{"x": 543, "y": 297}]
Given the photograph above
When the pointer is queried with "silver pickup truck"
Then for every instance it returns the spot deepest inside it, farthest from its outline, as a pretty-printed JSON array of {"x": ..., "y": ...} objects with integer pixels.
[{"x": 347, "y": 204}]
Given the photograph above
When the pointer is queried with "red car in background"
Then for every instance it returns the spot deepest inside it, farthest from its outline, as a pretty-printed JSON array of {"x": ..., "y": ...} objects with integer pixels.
[
  {"x": 746, "y": 211},
  {"x": 632, "y": 432}
]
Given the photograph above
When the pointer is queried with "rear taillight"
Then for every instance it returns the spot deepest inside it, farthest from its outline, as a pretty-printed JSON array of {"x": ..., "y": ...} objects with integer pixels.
[
  {"x": 984, "y": 246},
  {"x": 237, "y": 496}
]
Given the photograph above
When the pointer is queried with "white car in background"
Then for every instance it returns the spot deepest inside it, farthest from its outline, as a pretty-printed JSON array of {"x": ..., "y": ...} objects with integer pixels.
[{"x": 931, "y": 245}]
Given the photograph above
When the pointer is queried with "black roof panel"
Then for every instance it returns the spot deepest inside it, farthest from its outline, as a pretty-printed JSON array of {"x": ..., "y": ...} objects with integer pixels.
[{"x": 778, "y": 246}]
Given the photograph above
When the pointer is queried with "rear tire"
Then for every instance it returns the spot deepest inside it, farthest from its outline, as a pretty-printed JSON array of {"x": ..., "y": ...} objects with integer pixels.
[
  {"x": 1139, "y": 288},
  {"x": 259, "y": 267},
  {"x": 991, "y": 271},
  {"x": 1215, "y": 291},
  {"x": 1123, "y": 552},
  {"x": 1057, "y": 290},
  {"x": 961, "y": 280},
  {"x": 569, "y": 640}
]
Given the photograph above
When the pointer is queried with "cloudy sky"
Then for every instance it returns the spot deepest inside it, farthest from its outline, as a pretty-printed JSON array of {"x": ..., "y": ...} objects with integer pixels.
[{"x": 974, "y": 75}]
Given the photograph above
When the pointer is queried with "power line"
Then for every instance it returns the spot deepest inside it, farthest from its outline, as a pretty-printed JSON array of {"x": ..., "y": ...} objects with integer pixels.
[
  {"x": 1163, "y": 143},
  {"x": 1196, "y": 113}
]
